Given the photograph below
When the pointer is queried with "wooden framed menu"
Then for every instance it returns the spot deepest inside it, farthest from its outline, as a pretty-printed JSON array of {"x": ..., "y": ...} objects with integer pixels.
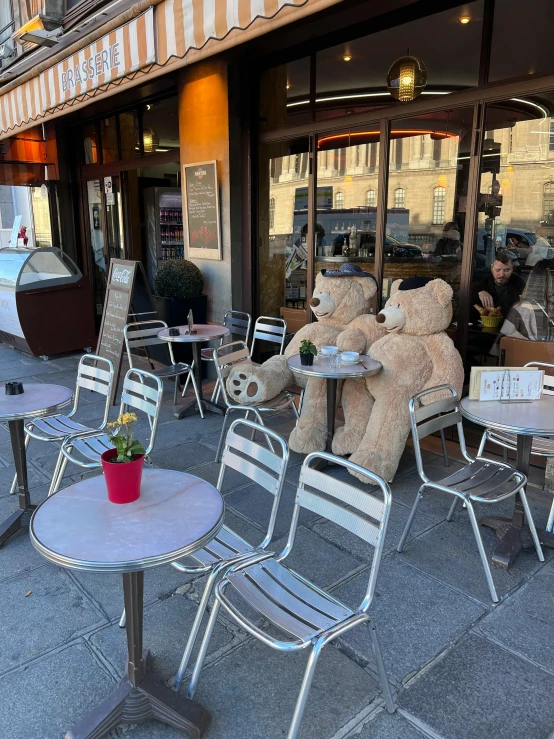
[{"x": 201, "y": 207}]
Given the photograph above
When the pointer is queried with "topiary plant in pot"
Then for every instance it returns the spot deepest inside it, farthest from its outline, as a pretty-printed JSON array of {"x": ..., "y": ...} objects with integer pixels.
[{"x": 178, "y": 286}]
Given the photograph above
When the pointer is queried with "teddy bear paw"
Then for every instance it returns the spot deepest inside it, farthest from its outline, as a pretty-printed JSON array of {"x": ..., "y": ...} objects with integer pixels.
[
  {"x": 372, "y": 462},
  {"x": 308, "y": 439},
  {"x": 346, "y": 440},
  {"x": 243, "y": 386}
]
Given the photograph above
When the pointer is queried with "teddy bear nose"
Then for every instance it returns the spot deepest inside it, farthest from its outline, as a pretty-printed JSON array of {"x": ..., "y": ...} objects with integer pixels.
[
  {"x": 380, "y": 318},
  {"x": 314, "y": 302}
]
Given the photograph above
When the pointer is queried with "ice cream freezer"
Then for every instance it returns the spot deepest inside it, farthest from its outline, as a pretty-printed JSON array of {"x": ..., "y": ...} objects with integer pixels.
[{"x": 45, "y": 302}]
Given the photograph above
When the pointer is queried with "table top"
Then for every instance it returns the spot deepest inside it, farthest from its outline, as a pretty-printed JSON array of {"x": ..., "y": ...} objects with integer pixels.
[
  {"x": 535, "y": 418},
  {"x": 204, "y": 332},
  {"x": 79, "y": 528},
  {"x": 37, "y": 399},
  {"x": 320, "y": 368}
]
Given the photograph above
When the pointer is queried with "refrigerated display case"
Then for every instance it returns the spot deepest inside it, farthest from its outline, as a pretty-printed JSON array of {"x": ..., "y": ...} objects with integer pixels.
[
  {"x": 45, "y": 302},
  {"x": 164, "y": 227}
]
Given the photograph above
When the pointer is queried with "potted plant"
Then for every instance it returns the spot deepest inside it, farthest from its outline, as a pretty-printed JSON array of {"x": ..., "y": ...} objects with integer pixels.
[
  {"x": 123, "y": 464},
  {"x": 308, "y": 351}
]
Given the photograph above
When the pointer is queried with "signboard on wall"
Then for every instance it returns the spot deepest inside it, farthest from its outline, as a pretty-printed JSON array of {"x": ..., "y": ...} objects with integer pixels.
[{"x": 201, "y": 206}]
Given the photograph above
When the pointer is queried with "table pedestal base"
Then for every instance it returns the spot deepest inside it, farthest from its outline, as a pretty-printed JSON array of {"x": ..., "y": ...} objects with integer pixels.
[
  {"x": 332, "y": 383},
  {"x": 192, "y": 409},
  {"x": 20, "y": 519},
  {"x": 513, "y": 539},
  {"x": 129, "y": 704}
]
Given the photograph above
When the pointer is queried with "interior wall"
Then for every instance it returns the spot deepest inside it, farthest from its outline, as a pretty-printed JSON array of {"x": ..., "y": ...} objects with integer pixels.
[{"x": 204, "y": 136}]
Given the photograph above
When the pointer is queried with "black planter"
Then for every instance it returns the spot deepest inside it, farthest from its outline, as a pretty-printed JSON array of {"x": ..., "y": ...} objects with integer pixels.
[
  {"x": 174, "y": 312},
  {"x": 306, "y": 359}
]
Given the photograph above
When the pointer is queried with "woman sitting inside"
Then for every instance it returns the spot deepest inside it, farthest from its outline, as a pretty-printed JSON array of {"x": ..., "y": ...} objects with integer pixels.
[{"x": 532, "y": 317}]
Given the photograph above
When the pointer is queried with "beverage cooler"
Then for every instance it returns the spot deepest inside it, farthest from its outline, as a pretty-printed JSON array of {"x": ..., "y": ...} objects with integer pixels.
[
  {"x": 45, "y": 302},
  {"x": 164, "y": 227}
]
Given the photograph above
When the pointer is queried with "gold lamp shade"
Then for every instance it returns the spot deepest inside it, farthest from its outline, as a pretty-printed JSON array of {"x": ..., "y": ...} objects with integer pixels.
[
  {"x": 407, "y": 78},
  {"x": 150, "y": 141}
]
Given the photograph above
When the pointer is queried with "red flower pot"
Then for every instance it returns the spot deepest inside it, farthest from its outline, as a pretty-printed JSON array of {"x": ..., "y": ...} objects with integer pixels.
[{"x": 122, "y": 478}]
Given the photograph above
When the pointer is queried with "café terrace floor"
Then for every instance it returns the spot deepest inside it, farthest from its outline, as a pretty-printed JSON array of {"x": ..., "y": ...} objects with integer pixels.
[{"x": 460, "y": 668}]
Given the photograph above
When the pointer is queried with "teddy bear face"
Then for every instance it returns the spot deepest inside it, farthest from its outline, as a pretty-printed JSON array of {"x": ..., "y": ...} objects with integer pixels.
[
  {"x": 420, "y": 311},
  {"x": 341, "y": 299}
]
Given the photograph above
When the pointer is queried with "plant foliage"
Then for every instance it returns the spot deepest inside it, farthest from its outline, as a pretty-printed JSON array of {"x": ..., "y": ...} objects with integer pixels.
[
  {"x": 178, "y": 278},
  {"x": 122, "y": 438},
  {"x": 307, "y": 347}
]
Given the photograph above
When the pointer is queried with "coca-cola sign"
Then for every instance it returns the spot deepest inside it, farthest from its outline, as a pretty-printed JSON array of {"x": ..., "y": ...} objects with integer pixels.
[{"x": 121, "y": 275}]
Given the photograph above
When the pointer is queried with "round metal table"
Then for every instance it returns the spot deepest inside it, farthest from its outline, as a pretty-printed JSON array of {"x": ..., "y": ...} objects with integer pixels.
[
  {"x": 204, "y": 332},
  {"x": 320, "y": 368},
  {"x": 534, "y": 418},
  {"x": 38, "y": 399},
  {"x": 79, "y": 528}
]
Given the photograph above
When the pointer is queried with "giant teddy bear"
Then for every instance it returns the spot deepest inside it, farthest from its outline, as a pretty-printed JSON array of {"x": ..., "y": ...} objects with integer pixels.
[
  {"x": 340, "y": 302},
  {"x": 416, "y": 354}
]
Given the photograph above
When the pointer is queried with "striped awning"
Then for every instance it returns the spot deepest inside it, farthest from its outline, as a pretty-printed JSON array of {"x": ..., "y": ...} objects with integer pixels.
[{"x": 169, "y": 35}]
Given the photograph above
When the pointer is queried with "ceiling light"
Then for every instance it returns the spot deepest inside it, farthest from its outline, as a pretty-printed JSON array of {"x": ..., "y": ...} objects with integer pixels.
[
  {"x": 407, "y": 78},
  {"x": 464, "y": 19},
  {"x": 150, "y": 141},
  {"x": 40, "y": 38},
  {"x": 347, "y": 57},
  {"x": 288, "y": 85}
]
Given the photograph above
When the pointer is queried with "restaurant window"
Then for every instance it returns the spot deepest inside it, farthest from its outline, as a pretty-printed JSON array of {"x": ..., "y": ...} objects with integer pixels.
[
  {"x": 285, "y": 95},
  {"x": 439, "y": 205},
  {"x": 339, "y": 201},
  {"x": 160, "y": 126},
  {"x": 513, "y": 257},
  {"x": 416, "y": 242},
  {"x": 90, "y": 143},
  {"x": 548, "y": 204},
  {"x": 6, "y": 20},
  {"x": 371, "y": 199},
  {"x": 108, "y": 136},
  {"x": 399, "y": 197},
  {"x": 272, "y": 213},
  {"x": 129, "y": 132}
]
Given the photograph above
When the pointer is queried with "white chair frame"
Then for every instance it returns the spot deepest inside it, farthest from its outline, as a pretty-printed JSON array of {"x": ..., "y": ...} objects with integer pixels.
[
  {"x": 480, "y": 481},
  {"x": 293, "y": 604},
  {"x": 142, "y": 391},
  {"x": 273, "y": 330},
  {"x": 268, "y": 470},
  {"x": 94, "y": 373}
]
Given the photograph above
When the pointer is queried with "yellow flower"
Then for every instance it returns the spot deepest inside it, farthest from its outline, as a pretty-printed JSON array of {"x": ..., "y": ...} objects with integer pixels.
[{"x": 128, "y": 418}]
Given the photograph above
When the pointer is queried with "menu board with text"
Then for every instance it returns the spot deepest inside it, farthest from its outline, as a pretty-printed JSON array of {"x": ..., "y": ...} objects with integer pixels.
[{"x": 201, "y": 206}]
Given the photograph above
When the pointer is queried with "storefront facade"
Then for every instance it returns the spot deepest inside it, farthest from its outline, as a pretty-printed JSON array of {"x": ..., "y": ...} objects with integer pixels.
[{"x": 318, "y": 164}]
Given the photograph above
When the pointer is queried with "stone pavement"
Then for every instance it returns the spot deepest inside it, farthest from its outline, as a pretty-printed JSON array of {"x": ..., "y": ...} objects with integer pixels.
[{"x": 460, "y": 668}]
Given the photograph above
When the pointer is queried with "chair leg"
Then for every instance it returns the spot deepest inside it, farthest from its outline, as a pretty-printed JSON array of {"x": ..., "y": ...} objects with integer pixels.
[
  {"x": 301, "y": 401},
  {"x": 505, "y": 455},
  {"x": 203, "y": 650},
  {"x": 410, "y": 521},
  {"x": 201, "y": 610},
  {"x": 176, "y": 390},
  {"x": 261, "y": 422},
  {"x": 187, "y": 380},
  {"x": 221, "y": 437},
  {"x": 304, "y": 690},
  {"x": 482, "y": 444},
  {"x": 550, "y": 523},
  {"x": 295, "y": 411},
  {"x": 452, "y": 511},
  {"x": 444, "y": 449},
  {"x": 531, "y": 523},
  {"x": 481, "y": 549},
  {"x": 383, "y": 679},
  {"x": 57, "y": 478},
  {"x": 215, "y": 391},
  {"x": 123, "y": 620},
  {"x": 13, "y": 488},
  {"x": 193, "y": 380}
]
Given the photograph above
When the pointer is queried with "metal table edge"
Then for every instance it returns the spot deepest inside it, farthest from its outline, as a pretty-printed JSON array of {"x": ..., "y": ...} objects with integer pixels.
[{"x": 521, "y": 430}]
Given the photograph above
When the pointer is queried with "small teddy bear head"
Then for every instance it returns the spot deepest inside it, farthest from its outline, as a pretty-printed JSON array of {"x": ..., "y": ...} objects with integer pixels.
[
  {"x": 419, "y": 306},
  {"x": 340, "y": 299}
]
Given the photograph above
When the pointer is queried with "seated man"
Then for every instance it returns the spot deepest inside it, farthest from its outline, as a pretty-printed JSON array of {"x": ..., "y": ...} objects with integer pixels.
[
  {"x": 501, "y": 288},
  {"x": 532, "y": 317}
]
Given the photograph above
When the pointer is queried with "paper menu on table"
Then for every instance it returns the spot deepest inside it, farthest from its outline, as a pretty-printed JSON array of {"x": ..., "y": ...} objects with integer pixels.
[
  {"x": 510, "y": 384},
  {"x": 475, "y": 377}
]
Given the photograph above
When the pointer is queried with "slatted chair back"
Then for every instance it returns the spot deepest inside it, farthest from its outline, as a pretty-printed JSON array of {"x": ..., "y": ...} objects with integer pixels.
[
  {"x": 144, "y": 334},
  {"x": 260, "y": 465},
  {"x": 436, "y": 416},
  {"x": 97, "y": 375},
  {"x": 273, "y": 330},
  {"x": 238, "y": 323},
  {"x": 226, "y": 357},
  {"x": 358, "y": 511},
  {"x": 143, "y": 392},
  {"x": 548, "y": 380}
]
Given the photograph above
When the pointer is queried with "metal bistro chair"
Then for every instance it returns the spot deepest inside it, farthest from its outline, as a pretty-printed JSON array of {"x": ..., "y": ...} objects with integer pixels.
[
  {"x": 480, "y": 481},
  {"x": 228, "y": 356},
  {"x": 541, "y": 446},
  {"x": 239, "y": 324},
  {"x": 273, "y": 330},
  {"x": 94, "y": 373},
  {"x": 142, "y": 391},
  {"x": 308, "y": 617},
  {"x": 145, "y": 333},
  {"x": 265, "y": 468}
]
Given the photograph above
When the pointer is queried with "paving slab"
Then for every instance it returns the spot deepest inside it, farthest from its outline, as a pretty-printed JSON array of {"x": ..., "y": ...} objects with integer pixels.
[
  {"x": 18, "y": 555},
  {"x": 49, "y": 696},
  {"x": 388, "y": 726},
  {"x": 416, "y": 617},
  {"x": 210, "y": 473},
  {"x": 525, "y": 622},
  {"x": 35, "y": 477},
  {"x": 40, "y": 610},
  {"x": 480, "y": 690},
  {"x": 435, "y": 505},
  {"x": 252, "y": 692},
  {"x": 166, "y": 629},
  {"x": 181, "y": 458}
]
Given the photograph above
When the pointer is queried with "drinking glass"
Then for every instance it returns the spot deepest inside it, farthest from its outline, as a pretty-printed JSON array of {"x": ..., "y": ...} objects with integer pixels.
[{"x": 334, "y": 361}]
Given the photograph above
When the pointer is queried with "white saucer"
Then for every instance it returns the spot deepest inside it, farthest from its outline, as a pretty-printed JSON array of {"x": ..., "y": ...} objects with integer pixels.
[{"x": 345, "y": 361}]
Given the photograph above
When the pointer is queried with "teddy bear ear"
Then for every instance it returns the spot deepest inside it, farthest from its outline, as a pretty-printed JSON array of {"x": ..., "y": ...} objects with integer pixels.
[
  {"x": 394, "y": 287},
  {"x": 369, "y": 286},
  {"x": 442, "y": 290}
]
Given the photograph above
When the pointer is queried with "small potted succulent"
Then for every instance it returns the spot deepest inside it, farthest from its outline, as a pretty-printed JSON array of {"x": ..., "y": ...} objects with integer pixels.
[
  {"x": 308, "y": 351},
  {"x": 123, "y": 464}
]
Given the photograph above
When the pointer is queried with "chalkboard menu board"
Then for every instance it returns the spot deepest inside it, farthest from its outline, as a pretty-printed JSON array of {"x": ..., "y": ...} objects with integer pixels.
[{"x": 201, "y": 195}]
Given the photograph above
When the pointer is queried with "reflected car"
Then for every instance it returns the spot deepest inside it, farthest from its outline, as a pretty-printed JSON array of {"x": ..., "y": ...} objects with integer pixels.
[{"x": 393, "y": 247}]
